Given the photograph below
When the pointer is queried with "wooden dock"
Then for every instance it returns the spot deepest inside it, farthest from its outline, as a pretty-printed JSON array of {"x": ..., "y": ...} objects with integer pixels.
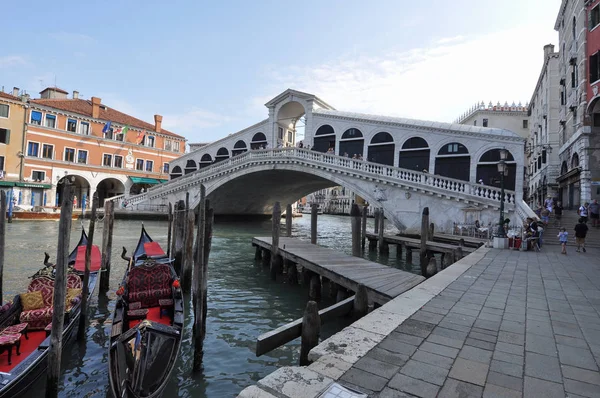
[
  {"x": 469, "y": 241},
  {"x": 383, "y": 283},
  {"x": 415, "y": 244}
]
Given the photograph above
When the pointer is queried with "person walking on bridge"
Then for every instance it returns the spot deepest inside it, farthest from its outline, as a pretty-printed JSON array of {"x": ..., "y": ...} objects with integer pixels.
[
  {"x": 594, "y": 209},
  {"x": 580, "y": 233}
]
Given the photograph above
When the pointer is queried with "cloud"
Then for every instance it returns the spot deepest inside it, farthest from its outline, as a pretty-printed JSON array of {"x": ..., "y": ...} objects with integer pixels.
[
  {"x": 437, "y": 82},
  {"x": 8, "y": 61}
]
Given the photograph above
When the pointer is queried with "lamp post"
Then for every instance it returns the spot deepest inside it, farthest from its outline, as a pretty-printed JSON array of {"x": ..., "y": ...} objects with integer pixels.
[{"x": 503, "y": 170}]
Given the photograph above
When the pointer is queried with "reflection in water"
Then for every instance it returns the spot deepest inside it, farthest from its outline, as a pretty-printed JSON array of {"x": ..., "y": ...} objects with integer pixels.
[{"x": 243, "y": 303}]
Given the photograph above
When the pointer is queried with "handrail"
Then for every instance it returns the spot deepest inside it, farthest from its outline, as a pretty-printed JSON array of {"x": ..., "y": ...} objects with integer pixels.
[{"x": 439, "y": 183}]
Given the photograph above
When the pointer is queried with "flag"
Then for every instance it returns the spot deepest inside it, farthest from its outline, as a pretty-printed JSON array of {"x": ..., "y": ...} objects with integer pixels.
[
  {"x": 122, "y": 130},
  {"x": 140, "y": 137},
  {"x": 106, "y": 128}
]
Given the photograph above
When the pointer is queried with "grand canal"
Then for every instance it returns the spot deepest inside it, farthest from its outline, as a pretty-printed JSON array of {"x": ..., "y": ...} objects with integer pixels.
[{"x": 243, "y": 303}]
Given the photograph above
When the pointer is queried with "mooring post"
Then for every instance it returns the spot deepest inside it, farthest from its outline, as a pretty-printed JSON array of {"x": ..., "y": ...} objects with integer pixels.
[
  {"x": 333, "y": 289},
  {"x": 408, "y": 251},
  {"x": 314, "y": 288},
  {"x": 292, "y": 273},
  {"x": 10, "y": 206},
  {"x": 275, "y": 230},
  {"x": 2, "y": 238},
  {"x": 314, "y": 208},
  {"x": 258, "y": 253},
  {"x": 178, "y": 237},
  {"x": 288, "y": 220},
  {"x": 355, "y": 226},
  {"x": 188, "y": 253},
  {"x": 361, "y": 302},
  {"x": 431, "y": 267},
  {"x": 383, "y": 246},
  {"x": 423, "y": 248},
  {"x": 430, "y": 232},
  {"x": 266, "y": 257},
  {"x": 60, "y": 287},
  {"x": 363, "y": 227},
  {"x": 311, "y": 329},
  {"x": 208, "y": 232},
  {"x": 376, "y": 219},
  {"x": 107, "y": 235},
  {"x": 86, "y": 275},
  {"x": 170, "y": 230},
  {"x": 197, "y": 276}
]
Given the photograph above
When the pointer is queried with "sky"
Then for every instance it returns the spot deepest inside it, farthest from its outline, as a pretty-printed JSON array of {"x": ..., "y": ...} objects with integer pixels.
[{"x": 210, "y": 66}]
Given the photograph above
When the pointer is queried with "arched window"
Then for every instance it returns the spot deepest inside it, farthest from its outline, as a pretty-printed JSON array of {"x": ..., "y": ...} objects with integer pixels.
[
  {"x": 176, "y": 172},
  {"x": 381, "y": 149},
  {"x": 487, "y": 169},
  {"x": 190, "y": 166},
  {"x": 239, "y": 147},
  {"x": 222, "y": 154},
  {"x": 324, "y": 138},
  {"x": 575, "y": 160},
  {"x": 206, "y": 160},
  {"x": 258, "y": 141},
  {"x": 564, "y": 168},
  {"x": 414, "y": 154},
  {"x": 453, "y": 161},
  {"x": 352, "y": 143}
]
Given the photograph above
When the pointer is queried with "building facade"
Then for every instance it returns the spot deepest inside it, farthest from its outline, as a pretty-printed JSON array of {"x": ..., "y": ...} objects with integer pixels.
[
  {"x": 509, "y": 117},
  {"x": 592, "y": 91},
  {"x": 12, "y": 118},
  {"x": 542, "y": 148},
  {"x": 95, "y": 147}
]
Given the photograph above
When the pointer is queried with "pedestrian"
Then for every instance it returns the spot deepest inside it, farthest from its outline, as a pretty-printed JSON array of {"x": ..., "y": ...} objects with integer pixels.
[
  {"x": 563, "y": 237},
  {"x": 75, "y": 201},
  {"x": 583, "y": 212},
  {"x": 594, "y": 209},
  {"x": 558, "y": 210},
  {"x": 580, "y": 233},
  {"x": 545, "y": 213}
]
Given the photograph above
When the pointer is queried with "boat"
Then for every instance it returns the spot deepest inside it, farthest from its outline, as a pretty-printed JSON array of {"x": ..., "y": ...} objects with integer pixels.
[
  {"x": 307, "y": 210},
  {"x": 147, "y": 326},
  {"x": 26, "y": 332}
]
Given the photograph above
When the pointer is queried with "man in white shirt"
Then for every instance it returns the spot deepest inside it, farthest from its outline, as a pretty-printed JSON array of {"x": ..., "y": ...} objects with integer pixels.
[{"x": 583, "y": 212}]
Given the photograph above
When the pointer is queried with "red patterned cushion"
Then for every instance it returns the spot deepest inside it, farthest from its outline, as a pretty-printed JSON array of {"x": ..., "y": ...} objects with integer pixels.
[
  {"x": 149, "y": 298},
  {"x": 44, "y": 285},
  {"x": 165, "y": 302},
  {"x": 135, "y": 306},
  {"x": 9, "y": 339},
  {"x": 148, "y": 285},
  {"x": 15, "y": 328},
  {"x": 137, "y": 313},
  {"x": 37, "y": 319}
]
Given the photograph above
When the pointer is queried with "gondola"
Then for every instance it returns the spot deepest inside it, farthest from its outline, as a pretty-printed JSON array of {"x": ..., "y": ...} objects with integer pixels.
[
  {"x": 147, "y": 323},
  {"x": 25, "y": 330}
]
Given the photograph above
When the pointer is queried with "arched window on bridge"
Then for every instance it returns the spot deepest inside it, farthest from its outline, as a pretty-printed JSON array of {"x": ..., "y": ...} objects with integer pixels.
[
  {"x": 575, "y": 160},
  {"x": 258, "y": 141},
  {"x": 324, "y": 139},
  {"x": 190, "y": 166},
  {"x": 222, "y": 154},
  {"x": 239, "y": 148},
  {"x": 453, "y": 160},
  {"x": 414, "y": 154},
  {"x": 381, "y": 149},
  {"x": 487, "y": 169},
  {"x": 205, "y": 161},
  {"x": 176, "y": 172},
  {"x": 352, "y": 143}
]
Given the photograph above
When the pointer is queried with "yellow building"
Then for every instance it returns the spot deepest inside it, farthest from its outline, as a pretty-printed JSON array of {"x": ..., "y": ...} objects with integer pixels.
[{"x": 12, "y": 123}]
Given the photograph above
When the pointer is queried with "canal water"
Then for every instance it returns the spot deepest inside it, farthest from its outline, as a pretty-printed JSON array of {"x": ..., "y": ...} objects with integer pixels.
[{"x": 243, "y": 303}]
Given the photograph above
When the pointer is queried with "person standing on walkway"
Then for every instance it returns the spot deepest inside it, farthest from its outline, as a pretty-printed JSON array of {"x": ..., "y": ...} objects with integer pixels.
[
  {"x": 583, "y": 212},
  {"x": 580, "y": 233},
  {"x": 563, "y": 238},
  {"x": 594, "y": 209},
  {"x": 558, "y": 210},
  {"x": 545, "y": 215}
]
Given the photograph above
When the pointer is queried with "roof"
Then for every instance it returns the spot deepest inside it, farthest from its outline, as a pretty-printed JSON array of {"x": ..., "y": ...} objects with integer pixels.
[
  {"x": 450, "y": 127},
  {"x": 84, "y": 107},
  {"x": 60, "y": 90},
  {"x": 300, "y": 94},
  {"x": 9, "y": 96}
]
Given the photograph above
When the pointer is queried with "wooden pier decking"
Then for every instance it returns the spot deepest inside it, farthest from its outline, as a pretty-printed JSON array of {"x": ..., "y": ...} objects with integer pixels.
[
  {"x": 415, "y": 244},
  {"x": 383, "y": 283}
]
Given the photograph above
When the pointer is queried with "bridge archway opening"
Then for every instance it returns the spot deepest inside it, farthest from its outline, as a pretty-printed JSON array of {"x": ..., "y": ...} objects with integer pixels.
[
  {"x": 205, "y": 161},
  {"x": 453, "y": 161},
  {"x": 324, "y": 138},
  {"x": 108, "y": 188},
  {"x": 414, "y": 154},
  {"x": 176, "y": 172},
  {"x": 487, "y": 169},
  {"x": 239, "y": 148},
  {"x": 79, "y": 186},
  {"x": 222, "y": 154},
  {"x": 190, "y": 166},
  {"x": 352, "y": 143},
  {"x": 259, "y": 141},
  {"x": 381, "y": 149},
  {"x": 287, "y": 118}
]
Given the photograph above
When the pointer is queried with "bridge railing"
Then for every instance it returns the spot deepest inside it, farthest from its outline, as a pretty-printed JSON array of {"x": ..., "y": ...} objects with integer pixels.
[{"x": 375, "y": 169}]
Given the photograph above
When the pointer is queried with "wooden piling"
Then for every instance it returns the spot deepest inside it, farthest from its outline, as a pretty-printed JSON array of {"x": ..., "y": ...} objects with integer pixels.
[
  {"x": 431, "y": 232},
  {"x": 313, "y": 223},
  {"x": 311, "y": 329},
  {"x": 409, "y": 254},
  {"x": 60, "y": 288},
  {"x": 177, "y": 249},
  {"x": 170, "y": 230},
  {"x": 341, "y": 294},
  {"x": 356, "y": 230},
  {"x": 431, "y": 267},
  {"x": 333, "y": 289},
  {"x": 86, "y": 275},
  {"x": 288, "y": 220},
  {"x": 423, "y": 250},
  {"x": 188, "y": 251},
  {"x": 376, "y": 219},
  {"x": 292, "y": 273},
  {"x": 258, "y": 253},
  {"x": 107, "y": 235},
  {"x": 383, "y": 246},
  {"x": 314, "y": 289},
  {"x": 275, "y": 231},
  {"x": 363, "y": 226},
  {"x": 210, "y": 219},
  {"x": 3, "y": 206},
  {"x": 361, "y": 302},
  {"x": 197, "y": 278}
]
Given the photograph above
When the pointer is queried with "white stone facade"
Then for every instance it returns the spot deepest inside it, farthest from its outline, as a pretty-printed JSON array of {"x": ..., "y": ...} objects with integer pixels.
[{"x": 509, "y": 117}]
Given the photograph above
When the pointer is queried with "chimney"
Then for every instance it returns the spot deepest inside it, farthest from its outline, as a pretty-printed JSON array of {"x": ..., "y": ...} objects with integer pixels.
[
  {"x": 157, "y": 123},
  {"x": 548, "y": 49},
  {"x": 96, "y": 107},
  {"x": 75, "y": 94},
  {"x": 15, "y": 91}
]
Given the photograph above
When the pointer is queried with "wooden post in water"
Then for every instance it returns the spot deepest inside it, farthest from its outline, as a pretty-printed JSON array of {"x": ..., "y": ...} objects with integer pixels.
[
  {"x": 2, "y": 238},
  {"x": 314, "y": 287},
  {"x": 292, "y": 273},
  {"x": 355, "y": 223},
  {"x": 376, "y": 219},
  {"x": 60, "y": 288},
  {"x": 179, "y": 220},
  {"x": 188, "y": 252},
  {"x": 408, "y": 251},
  {"x": 275, "y": 231},
  {"x": 258, "y": 253},
  {"x": 363, "y": 226},
  {"x": 431, "y": 232},
  {"x": 361, "y": 302},
  {"x": 198, "y": 275},
  {"x": 314, "y": 208},
  {"x": 208, "y": 231},
  {"x": 86, "y": 275},
  {"x": 288, "y": 220},
  {"x": 383, "y": 246},
  {"x": 170, "y": 230},
  {"x": 107, "y": 235},
  {"x": 431, "y": 267},
  {"x": 423, "y": 249},
  {"x": 311, "y": 329}
]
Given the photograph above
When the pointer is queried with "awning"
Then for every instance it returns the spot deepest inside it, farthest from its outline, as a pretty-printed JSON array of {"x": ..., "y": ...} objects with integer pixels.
[
  {"x": 32, "y": 185},
  {"x": 145, "y": 180},
  {"x": 7, "y": 184}
]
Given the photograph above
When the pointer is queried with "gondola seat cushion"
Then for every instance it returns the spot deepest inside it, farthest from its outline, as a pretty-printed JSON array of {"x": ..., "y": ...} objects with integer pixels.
[
  {"x": 149, "y": 284},
  {"x": 39, "y": 318}
]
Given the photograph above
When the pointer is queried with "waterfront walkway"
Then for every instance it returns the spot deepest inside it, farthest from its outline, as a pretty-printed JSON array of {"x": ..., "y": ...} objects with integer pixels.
[{"x": 499, "y": 323}]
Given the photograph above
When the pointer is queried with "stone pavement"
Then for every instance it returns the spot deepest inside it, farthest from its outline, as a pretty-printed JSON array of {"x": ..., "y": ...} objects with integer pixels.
[{"x": 515, "y": 324}]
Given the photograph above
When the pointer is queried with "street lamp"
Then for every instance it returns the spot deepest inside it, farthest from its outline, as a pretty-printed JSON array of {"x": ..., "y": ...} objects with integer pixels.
[{"x": 503, "y": 170}]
